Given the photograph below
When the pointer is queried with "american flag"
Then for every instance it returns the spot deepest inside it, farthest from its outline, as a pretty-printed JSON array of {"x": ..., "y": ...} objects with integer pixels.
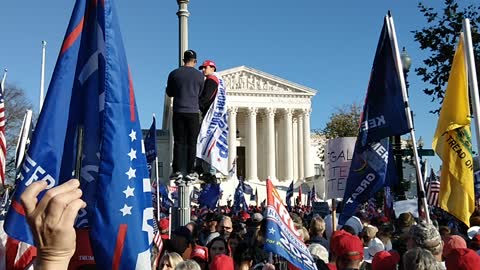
[
  {"x": 433, "y": 188},
  {"x": 3, "y": 142},
  {"x": 313, "y": 194}
]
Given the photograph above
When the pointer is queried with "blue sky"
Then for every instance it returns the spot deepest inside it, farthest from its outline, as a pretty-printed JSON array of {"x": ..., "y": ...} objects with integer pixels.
[{"x": 326, "y": 45}]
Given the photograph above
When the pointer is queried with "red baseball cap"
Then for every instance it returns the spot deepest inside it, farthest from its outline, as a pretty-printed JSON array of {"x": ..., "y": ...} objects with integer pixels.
[
  {"x": 222, "y": 262},
  {"x": 208, "y": 63},
  {"x": 335, "y": 238},
  {"x": 349, "y": 246},
  {"x": 452, "y": 242},
  {"x": 200, "y": 253},
  {"x": 385, "y": 260},
  {"x": 463, "y": 259}
]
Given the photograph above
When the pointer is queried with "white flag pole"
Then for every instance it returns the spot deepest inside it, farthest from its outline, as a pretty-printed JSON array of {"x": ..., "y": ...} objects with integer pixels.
[
  {"x": 472, "y": 75},
  {"x": 156, "y": 175},
  {"x": 4, "y": 78},
  {"x": 398, "y": 62},
  {"x": 42, "y": 77},
  {"x": 23, "y": 138}
]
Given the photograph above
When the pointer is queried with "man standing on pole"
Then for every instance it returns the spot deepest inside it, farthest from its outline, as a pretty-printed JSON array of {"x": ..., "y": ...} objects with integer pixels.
[{"x": 185, "y": 85}]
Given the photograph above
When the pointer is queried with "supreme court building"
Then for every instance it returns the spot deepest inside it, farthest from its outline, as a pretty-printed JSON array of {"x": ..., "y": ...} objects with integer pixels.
[{"x": 269, "y": 131}]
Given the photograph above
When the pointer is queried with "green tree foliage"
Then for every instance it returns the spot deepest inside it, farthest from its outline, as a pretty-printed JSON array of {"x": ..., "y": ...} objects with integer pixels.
[
  {"x": 344, "y": 122},
  {"x": 440, "y": 37}
]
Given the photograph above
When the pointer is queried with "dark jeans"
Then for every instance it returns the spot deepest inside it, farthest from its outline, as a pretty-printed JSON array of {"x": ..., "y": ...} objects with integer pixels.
[{"x": 185, "y": 132}]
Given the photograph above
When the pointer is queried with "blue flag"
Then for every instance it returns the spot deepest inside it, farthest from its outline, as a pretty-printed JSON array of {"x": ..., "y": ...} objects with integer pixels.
[
  {"x": 209, "y": 196},
  {"x": 281, "y": 236},
  {"x": 166, "y": 197},
  {"x": 151, "y": 146},
  {"x": 247, "y": 189},
  {"x": 91, "y": 89},
  {"x": 289, "y": 195},
  {"x": 383, "y": 116},
  {"x": 239, "y": 202}
]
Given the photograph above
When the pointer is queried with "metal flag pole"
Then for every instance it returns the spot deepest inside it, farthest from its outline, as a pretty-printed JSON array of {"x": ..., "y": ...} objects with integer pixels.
[
  {"x": 23, "y": 139},
  {"x": 4, "y": 78},
  {"x": 78, "y": 161},
  {"x": 472, "y": 75},
  {"x": 157, "y": 182},
  {"x": 393, "y": 38},
  {"x": 42, "y": 77}
]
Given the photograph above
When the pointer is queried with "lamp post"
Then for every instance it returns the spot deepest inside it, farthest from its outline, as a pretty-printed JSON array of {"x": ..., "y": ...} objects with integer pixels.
[
  {"x": 181, "y": 213},
  {"x": 397, "y": 142}
]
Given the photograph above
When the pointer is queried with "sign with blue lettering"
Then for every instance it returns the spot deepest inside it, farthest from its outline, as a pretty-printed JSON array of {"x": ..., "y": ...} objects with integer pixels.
[{"x": 212, "y": 141}]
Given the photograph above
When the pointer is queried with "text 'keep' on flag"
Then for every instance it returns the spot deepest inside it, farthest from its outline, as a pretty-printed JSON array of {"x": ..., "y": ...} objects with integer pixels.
[{"x": 384, "y": 115}]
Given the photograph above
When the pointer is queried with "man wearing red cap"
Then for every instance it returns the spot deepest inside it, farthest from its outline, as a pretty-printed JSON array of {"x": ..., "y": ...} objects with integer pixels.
[
  {"x": 348, "y": 250},
  {"x": 207, "y": 96}
]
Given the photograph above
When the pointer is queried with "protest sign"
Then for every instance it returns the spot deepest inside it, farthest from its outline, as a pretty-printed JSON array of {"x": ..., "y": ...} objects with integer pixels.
[{"x": 338, "y": 156}]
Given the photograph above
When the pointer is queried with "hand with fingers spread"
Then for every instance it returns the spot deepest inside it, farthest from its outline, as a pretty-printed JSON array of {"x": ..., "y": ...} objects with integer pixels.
[{"x": 51, "y": 221}]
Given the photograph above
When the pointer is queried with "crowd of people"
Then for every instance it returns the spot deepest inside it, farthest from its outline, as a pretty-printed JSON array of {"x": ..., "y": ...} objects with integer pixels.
[{"x": 222, "y": 239}]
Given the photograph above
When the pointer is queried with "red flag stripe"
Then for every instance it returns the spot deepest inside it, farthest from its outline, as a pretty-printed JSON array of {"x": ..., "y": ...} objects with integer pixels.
[
  {"x": 18, "y": 208},
  {"x": 117, "y": 255}
]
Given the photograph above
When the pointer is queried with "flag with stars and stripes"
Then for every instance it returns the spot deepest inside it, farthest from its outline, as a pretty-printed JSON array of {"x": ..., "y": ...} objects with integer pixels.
[
  {"x": 433, "y": 188},
  {"x": 91, "y": 90},
  {"x": 3, "y": 141}
]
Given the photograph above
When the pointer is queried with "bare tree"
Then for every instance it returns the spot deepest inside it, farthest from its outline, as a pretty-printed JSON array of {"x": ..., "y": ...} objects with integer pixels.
[{"x": 16, "y": 104}]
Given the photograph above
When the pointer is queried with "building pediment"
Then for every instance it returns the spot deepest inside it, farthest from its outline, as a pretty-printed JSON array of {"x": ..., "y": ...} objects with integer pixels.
[{"x": 246, "y": 80}]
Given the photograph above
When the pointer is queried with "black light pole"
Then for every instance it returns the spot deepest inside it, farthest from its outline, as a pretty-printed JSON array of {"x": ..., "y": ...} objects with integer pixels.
[{"x": 397, "y": 142}]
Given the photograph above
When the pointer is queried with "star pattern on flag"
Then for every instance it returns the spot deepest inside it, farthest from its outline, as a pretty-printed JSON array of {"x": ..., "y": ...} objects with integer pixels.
[
  {"x": 131, "y": 173},
  {"x": 129, "y": 192},
  {"x": 126, "y": 210},
  {"x": 132, "y": 154},
  {"x": 271, "y": 230},
  {"x": 133, "y": 135}
]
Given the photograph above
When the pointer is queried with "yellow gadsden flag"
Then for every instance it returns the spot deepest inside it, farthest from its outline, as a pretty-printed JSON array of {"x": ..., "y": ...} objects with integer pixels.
[{"x": 452, "y": 142}]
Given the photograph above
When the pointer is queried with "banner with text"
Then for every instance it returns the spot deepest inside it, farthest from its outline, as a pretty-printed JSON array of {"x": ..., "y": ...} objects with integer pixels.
[
  {"x": 338, "y": 157},
  {"x": 281, "y": 237}
]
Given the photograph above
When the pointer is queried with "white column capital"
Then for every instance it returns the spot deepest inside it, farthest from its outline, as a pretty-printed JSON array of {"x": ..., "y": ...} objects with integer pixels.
[
  {"x": 287, "y": 112},
  {"x": 270, "y": 112},
  {"x": 306, "y": 112},
  {"x": 232, "y": 110},
  {"x": 252, "y": 111}
]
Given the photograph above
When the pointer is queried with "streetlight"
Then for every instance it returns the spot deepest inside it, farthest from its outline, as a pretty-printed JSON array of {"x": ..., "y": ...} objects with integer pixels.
[{"x": 397, "y": 142}]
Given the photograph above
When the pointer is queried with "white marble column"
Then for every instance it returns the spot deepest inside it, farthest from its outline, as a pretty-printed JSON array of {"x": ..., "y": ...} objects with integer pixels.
[
  {"x": 271, "y": 143},
  {"x": 301, "y": 168},
  {"x": 295, "y": 146},
  {"x": 252, "y": 144},
  {"x": 232, "y": 136},
  {"x": 307, "y": 161},
  {"x": 288, "y": 143}
]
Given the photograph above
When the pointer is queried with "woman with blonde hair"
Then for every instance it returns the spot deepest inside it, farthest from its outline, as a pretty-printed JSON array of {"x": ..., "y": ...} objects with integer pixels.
[{"x": 169, "y": 260}]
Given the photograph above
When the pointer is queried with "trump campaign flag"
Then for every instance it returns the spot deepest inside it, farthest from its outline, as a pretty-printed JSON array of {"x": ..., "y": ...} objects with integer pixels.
[
  {"x": 453, "y": 143},
  {"x": 383, "y": 116},
  {"x": 212, "y": 141},
  {"x": 281, "y": 236},
  {"x": 91, "y": 90}
]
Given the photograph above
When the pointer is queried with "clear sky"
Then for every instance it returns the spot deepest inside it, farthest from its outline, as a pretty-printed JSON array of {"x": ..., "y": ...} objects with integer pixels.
[{"x": 325, "y": 45}]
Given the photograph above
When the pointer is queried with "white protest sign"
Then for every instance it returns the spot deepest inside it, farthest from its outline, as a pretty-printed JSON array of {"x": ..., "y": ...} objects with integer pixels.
[
  {"x": 406, "y": 206},
  {"x": 338, "y": 157}
]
